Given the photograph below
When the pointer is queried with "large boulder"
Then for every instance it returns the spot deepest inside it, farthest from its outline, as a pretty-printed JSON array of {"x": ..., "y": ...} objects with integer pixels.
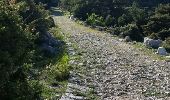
[
  {"x": 162, "y": 51},
  {"x": 152, "y": 43}
]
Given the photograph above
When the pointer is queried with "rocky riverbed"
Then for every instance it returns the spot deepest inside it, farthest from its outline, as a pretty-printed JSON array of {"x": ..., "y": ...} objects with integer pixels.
[{"x": 107, "y": 69}]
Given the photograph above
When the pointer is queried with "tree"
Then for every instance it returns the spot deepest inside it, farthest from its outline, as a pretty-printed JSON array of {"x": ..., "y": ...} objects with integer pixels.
[
  {"x": 158, "y": 24},
  {"x": 138, "y": 15}
]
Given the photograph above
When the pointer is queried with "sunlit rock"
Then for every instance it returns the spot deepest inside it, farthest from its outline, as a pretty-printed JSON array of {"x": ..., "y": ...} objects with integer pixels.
[
  {"x": 162, "y": 51},
  {"x": 152, "y": 43}
]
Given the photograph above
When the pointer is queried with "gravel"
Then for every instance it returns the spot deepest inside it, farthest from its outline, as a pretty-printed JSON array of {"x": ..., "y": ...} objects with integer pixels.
[{"x": 114, "y": 69}]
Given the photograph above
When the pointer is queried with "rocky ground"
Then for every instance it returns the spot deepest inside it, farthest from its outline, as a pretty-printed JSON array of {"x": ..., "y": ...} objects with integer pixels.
[{"x": 107, "y": 69}]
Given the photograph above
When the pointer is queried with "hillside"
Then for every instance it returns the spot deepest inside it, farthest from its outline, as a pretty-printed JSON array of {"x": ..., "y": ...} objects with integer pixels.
[{"x": 84, "y": 49}]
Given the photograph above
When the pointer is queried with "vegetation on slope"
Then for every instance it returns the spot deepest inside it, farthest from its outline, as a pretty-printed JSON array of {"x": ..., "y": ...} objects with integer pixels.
[
  {"x": 24, "y": 69},
  {"x": 26, "y": 73},
  {"x": 137, "y": 19}
]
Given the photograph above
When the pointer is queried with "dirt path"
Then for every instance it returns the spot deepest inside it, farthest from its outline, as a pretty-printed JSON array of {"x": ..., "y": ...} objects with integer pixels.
[{"x": 107, "y": 69}]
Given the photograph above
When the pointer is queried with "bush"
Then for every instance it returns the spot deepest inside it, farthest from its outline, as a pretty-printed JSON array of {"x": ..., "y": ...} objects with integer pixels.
[
  {"x": 132, "y": 15},
  {"x": 37, "y": 18},
  {"x": 163, "y": 34},
  {"x": 138, "y": 15},
  {"x": 109, "y": 20},
  {"x": 16, "y": 44},
  {"x": 159, "y": 23},
  {"x": 20, "y": 24},
  {"x": 124, "y": 20},
  {"x": 14, "y": 41},
  {"x": 132, "y": 31},
  {"x": 95, "y": 20},
  {"x": 166, "y": 44}
]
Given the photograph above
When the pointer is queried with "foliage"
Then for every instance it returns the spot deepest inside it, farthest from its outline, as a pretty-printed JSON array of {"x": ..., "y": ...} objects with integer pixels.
[
  {"x": 138, "y": 15},
  {"x": 166, "y": 44},
  {"x": 36, "y": 17},
  {"x": 99, "y": 7},
  {"x": 21, "y": 25},
  {"x": 132, "y": 31},
  {"x": 55, "y": 73},
  {"x": 159, "y": 23},
  {"x": 16, "y": 44},
  {"x": 95, "y": 20},
  {"x": 124, "y": 20},
  {"x": 132, "y": 14},
  {"x": 70, "y": 5},
  {"x": 109, "y": 20}
]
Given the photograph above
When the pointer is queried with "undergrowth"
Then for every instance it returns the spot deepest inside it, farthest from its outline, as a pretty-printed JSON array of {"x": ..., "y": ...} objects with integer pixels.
[{"x": 52, "y": 72}]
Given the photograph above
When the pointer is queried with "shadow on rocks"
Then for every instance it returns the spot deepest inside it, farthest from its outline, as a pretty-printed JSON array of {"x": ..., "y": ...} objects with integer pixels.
[{"x": 50, "y": 46}]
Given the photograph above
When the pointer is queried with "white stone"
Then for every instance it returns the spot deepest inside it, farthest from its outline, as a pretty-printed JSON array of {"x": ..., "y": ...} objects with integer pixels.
[
  {"x": 72, "y": 17},
  {"x": 162, "y": 51},
  {"x": 121, "y": 40},
  {"x": 168, "y": 57},
  {"x": 152, "y": 43}
]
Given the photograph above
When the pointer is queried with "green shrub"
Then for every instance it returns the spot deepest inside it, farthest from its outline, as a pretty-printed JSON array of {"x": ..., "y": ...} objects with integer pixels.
[
  {"x": 132, "y": 14},
  {"x": 37, "y": 18},
  {"x": 16, "y": 44},
  {"x": 19, "y": 26},
  {"x": 124, "y": 20},
  {"x": 116, "y": 31},
  {"x": 109, "y": 20},
  {"x": 153, "y": 36},
  {"x": 138, "y": 15},
  {"x": 163, "y": 34},
  {"x": 132, "y": 31},
  {"x": 166, "y": 44},
  {"x": 14, "y": 41},
  {"x": 95, "y": 20},
  {"x": 159, "y": 23}
]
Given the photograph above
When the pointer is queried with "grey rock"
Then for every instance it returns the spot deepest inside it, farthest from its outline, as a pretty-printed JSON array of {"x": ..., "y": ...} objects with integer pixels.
[
  {"x": 121, "y": 40},
  {"x": 100, "y": 28},
  {"x": 49, "y": 45},
  {"x": 168, "y": 57},
  {"x": 127, "y": 39},
  {"x": 50, "y": 40},
  {"x": 162, "y": 51},
  {"x": 152, "y": 43}
]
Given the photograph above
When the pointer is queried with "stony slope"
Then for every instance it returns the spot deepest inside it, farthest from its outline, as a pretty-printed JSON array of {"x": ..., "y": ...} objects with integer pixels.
[{"x": 110, "y": 69}]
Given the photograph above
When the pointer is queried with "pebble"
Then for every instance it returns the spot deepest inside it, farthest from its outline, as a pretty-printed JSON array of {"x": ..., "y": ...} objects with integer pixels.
[{"x": 124, "y": 68}]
